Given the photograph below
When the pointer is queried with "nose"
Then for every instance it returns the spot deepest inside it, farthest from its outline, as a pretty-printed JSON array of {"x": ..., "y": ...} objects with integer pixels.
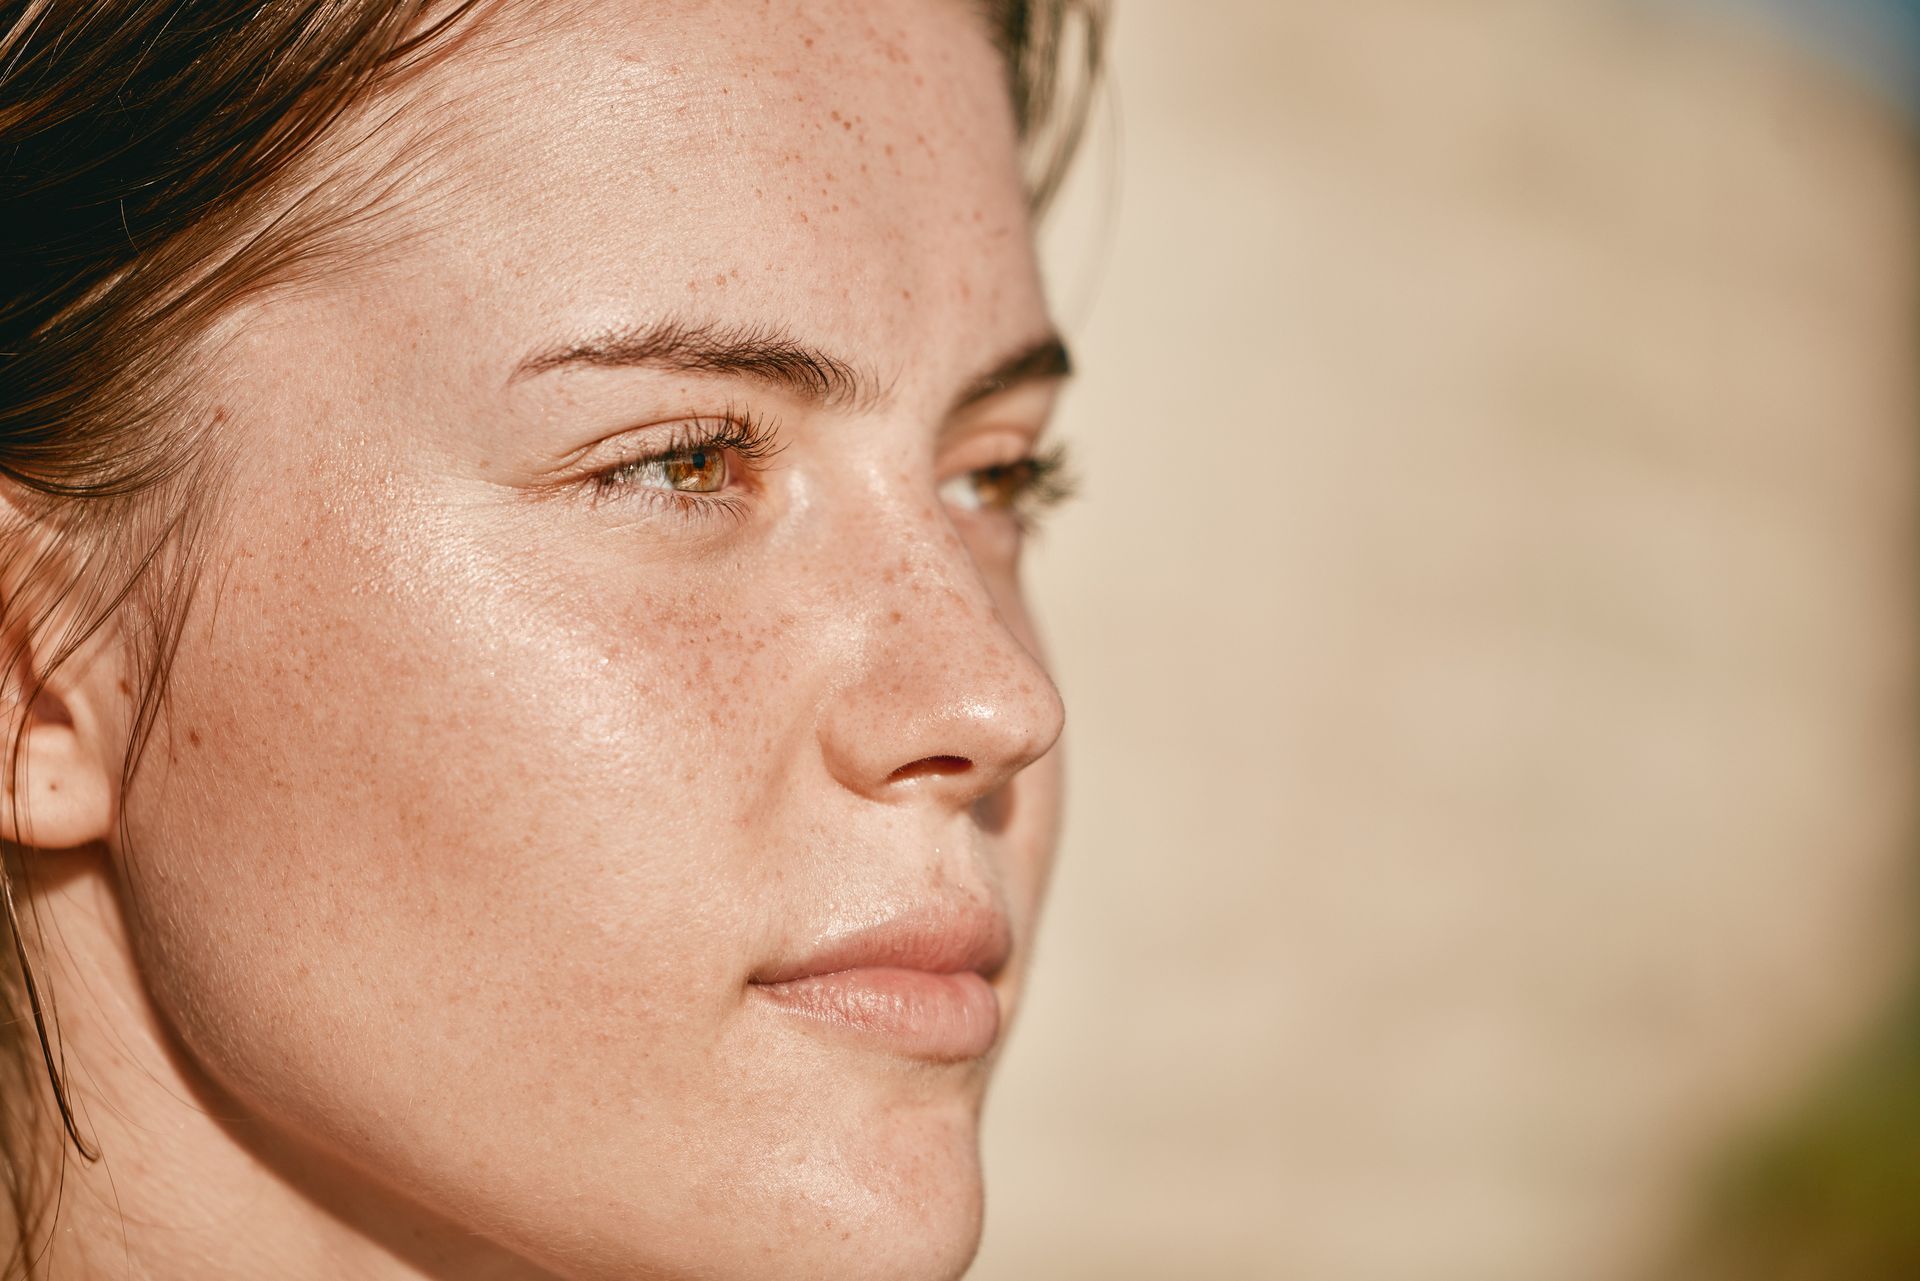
[{"x": 942, "y": 700}]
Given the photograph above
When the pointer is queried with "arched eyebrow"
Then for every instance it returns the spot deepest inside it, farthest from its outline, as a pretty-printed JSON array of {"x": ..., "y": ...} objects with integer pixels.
[
  {"x": 770, "y": 356},
  {"x": 762, "y": 354}
]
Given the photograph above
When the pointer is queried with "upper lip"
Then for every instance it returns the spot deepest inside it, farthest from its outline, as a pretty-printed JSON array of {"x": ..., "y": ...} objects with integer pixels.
[{"x": 941, "y": 941}]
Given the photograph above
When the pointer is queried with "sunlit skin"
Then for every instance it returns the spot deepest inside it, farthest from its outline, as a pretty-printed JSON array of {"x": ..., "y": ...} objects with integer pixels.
[{"x": 548, "y": 684}]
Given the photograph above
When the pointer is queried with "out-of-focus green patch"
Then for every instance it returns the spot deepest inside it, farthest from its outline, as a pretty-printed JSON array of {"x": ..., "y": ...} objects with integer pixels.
[{"x": 1835, "y": 1196}]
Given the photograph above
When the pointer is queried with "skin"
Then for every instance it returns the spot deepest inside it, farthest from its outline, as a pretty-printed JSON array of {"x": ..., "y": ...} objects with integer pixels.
[{"x": 478, "y": 800}]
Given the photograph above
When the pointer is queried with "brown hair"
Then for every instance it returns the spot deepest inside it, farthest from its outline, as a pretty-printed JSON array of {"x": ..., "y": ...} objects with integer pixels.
[{"x": 150, "y": 179}]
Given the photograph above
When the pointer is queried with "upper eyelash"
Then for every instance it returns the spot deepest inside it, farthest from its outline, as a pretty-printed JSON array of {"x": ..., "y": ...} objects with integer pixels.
[
  {"x": 1050, "y": 480},
  {"x": 1053, "y": 481},
  {"x": 746, "y": 435}
]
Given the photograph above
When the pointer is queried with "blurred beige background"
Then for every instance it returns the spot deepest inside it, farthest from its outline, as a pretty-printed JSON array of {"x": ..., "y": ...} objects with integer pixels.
[{"x": 1488, "y": 633}]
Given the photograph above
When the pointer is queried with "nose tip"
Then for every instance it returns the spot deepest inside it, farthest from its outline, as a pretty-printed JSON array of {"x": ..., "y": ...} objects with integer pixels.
[{"x": 948, "y": 703}]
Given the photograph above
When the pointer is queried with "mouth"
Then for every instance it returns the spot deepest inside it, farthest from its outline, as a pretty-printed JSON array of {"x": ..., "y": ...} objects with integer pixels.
[{"x": 920, "y": 987}]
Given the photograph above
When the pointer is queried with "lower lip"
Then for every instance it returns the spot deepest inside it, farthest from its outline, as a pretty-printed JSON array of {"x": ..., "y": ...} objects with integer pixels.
[{"x": 945, "y": 1018}]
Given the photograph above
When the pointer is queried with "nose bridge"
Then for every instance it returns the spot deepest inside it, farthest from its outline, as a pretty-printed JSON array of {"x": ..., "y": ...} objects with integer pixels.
[{"x": 944, "y": 692}]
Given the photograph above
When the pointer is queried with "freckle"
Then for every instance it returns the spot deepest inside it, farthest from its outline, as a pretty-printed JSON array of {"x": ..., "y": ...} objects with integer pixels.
[
  {"x": 807, "y": 41},
  {"x": 889, "y": 149},
  {"x": 800, "y": 217},
  {"x": 193, "y": 737},
  {"x": 721, "y": 281},
  {"x": 907, "y": 295},
  {"x": 893, "y": 616},
  {"x": 125, "y": 688},
  {"x": 847, "y": 125}
]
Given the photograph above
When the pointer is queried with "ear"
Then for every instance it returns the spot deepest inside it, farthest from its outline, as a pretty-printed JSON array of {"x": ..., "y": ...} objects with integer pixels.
[{"x": 61, "y": 789}]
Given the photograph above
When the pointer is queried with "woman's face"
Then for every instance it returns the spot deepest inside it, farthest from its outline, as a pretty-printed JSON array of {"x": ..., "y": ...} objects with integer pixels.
[{"x": 612, "y": 627}]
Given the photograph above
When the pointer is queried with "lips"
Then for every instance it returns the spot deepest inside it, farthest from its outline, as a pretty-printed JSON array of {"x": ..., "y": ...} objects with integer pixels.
[{"x": 919, "y": 987}]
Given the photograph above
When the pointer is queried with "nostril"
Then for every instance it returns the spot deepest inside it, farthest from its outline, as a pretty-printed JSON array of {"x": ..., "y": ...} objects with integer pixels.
[{"x": 931, "y": 766}]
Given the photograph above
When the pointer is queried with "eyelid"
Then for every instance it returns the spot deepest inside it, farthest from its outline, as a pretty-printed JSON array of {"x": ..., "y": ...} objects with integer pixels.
[{"x": 994, "y": 436}]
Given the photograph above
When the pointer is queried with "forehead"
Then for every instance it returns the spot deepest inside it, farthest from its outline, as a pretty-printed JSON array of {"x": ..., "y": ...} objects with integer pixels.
[{"x": 846, "y": 167}]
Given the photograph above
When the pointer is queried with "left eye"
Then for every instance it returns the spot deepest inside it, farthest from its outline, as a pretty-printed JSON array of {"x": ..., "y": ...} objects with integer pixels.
[
  {"x": 687, "y": 471},
  {"x": 1025, "y": 487}
]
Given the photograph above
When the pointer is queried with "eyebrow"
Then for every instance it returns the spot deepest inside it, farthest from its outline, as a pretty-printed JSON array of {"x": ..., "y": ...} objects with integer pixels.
[
  {"x": 762, "y": 354},
  {"x": 1044, "y": 361},
  {"x": 770, "y": 356}
]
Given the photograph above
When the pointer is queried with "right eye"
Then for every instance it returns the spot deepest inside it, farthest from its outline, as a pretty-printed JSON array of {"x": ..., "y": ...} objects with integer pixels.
[
  {"x": 692, "y": 464},
  {"x": 701, "y": 470}
]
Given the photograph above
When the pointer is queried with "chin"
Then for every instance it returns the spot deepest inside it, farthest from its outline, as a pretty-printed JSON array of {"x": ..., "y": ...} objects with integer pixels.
[
  {"x": 898, "y": 1198},
  {"x": 873, "y": 1177},
  {"x": 921, "y": 1243},
  {"x": 927, "y": 1230}
]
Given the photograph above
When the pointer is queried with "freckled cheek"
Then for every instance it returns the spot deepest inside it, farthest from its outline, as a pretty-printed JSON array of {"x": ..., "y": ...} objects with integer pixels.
[
  {"x": 429, "y": 750},
  {"x": 634, "y": 726}
]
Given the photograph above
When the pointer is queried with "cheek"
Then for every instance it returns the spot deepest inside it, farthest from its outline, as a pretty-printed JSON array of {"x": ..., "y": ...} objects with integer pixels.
[{"x": 403, "y": 784}]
